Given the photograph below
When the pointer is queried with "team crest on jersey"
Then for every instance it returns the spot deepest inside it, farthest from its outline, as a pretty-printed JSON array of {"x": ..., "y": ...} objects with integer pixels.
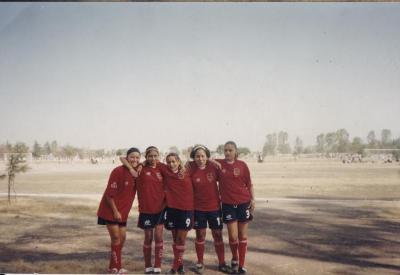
[
  {"x": 236, "y": 172},
  {"x": 223, "y": 170},
  {"x": 148, "y": 173},
  {"x": 159, "y": 175},
  {"x": 197, "y": 179},
  {"x": 126, "y": 183},
  {"x": 114, "y": 185},
  {"x": 210, "y": 177}
]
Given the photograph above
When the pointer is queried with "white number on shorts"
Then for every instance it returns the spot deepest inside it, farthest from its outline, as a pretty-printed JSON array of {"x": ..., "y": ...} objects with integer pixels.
[
  {"x": 165, "y": 215},
  {"x": 218, "y": 221},
  {"x": 187, "y": 222},
  {"x": 247, "y": 213}
]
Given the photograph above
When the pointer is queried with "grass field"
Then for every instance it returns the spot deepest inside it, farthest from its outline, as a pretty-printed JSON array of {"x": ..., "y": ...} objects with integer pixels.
[{"x": 312, "y": 216}]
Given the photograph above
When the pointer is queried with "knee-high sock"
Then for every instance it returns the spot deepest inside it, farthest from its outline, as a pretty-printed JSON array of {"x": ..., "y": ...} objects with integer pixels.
[
  {"x": 147, "y": 255},
  {"x": 200, "y": 250},
  {"x": 158, "y": 253},
  {"x": 115, "y": 257},
  {"x": 220, "y": 250},
  {"x": 178, "y": 256},
  {"x": 234, "y": 248},
  {"x": 242, "y": 251}
]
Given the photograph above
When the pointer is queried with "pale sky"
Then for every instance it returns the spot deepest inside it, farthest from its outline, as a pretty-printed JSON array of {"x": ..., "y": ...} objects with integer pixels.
[{"x": 112, "y": 75}]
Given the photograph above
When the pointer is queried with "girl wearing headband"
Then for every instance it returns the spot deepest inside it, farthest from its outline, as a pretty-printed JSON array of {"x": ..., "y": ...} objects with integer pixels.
[{"x": 207, "y": 209}]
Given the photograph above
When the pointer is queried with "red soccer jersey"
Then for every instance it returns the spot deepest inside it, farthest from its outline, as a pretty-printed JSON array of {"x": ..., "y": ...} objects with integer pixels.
[
  {"x": 178, "y": 189},
  {"x": 234, "y": 182},
  {"x": 121, "y": 187},
  {"x": 205, "y": 188},
  {"x": 150, "y": 190}
]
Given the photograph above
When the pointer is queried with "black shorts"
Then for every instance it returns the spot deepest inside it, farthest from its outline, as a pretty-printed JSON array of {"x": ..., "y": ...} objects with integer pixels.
[
  {"x": 178, "y": 219},
  {"x": 148, "y": 221},
  {"x": 102, "y": 221},
  {"x": 213, "y": 218},
  {"x": 236, "y": 212}
]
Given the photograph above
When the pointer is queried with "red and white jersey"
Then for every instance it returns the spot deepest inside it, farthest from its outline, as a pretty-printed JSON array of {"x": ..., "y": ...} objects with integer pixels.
[
  {"x": 205, "y": 188},
  {"x": 150, "y": 190},
  {"x": 234, "y": 182},
  {"x": 121, "y": 187},
  {"x": 178, "y": 189}
]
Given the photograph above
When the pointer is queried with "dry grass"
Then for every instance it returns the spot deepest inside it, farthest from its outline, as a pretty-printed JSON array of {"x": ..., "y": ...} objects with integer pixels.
[{"x": 357, "y": 234}]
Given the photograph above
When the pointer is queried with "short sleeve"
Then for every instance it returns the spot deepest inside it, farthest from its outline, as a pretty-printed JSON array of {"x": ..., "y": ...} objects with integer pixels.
[{"x": 112, "y": 186}]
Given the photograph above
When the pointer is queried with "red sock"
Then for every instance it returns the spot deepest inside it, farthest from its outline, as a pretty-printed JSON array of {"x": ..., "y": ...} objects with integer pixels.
[
  {"x": 115, "y": 257},
  {"x": 220, "y": 250},
  {"x": 242, "y": 251},
  {"x": 200, "y": 250},
  {"x": 175, "y": 255},
  {"x": 234, "y": 248},
  {"x": 178, "y": 260},
  {"x": 147, "y": 255},
  {"x": 158, "y": 253}
]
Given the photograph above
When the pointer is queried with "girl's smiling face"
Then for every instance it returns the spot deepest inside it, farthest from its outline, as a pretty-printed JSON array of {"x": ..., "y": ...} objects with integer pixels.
[
  {"x": 200, "y": 157},
  {"x": 133, "y": 159},
  {"x": 173, "y": 163},
  {"x": 152, "y": 157}
]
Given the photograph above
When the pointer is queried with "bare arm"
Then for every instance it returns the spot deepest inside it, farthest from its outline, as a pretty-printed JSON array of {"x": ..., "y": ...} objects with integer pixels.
[
  {"x": 216, "y": 163},
  {"x": 111, "y": 203},
  {"x": 129, "y": 166},
  {"x": 252, "y": 202}
]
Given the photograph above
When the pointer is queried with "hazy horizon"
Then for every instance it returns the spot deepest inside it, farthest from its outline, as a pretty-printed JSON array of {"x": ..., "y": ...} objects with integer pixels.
[{"x": 116, "y": 75}]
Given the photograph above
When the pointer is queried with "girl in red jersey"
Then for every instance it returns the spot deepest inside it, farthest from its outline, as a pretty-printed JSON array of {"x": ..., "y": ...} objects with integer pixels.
[
  {"x": 151, "y": 198},
  {"x": 115, "y": 206},
  {"x": 206, "y": 206},
  {"x": 237, "y": 203},
  {"x": 179, "y": 215}
]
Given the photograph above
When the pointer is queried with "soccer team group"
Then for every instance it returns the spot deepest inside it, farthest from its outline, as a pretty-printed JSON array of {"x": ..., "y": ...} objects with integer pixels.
[{"x": 180, "y": 197}]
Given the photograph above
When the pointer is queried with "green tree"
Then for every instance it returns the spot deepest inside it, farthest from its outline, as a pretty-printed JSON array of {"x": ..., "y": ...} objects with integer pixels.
[
  {"x": 342, "y": 137},
  {"x": 270, "y": 145},
  {"x": 243, "y": 151},
  {"x": 283, "y": 145},
  {"x": 54, "y": 148},
  {"x": 47, "y": 148},
  {"x": 298, "y": 148},
  {"x": 321, "y": 147},
  {"x": 357, "y": 145},
  {"x": 386, "y": 137},
  {"x": 20, "y": 147},
  {"x": 37, "y": 150},
  {"x": 371, "y": 139},
  {"x": 331, "y": 142},
  {"x": 15, "y": 165}
]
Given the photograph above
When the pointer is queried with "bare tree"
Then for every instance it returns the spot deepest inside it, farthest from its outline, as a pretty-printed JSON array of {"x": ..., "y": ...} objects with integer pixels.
[{"x": 16, "y": 164}]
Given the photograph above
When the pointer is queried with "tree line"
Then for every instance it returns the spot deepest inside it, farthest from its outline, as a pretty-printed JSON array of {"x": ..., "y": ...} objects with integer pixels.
[{"x": 332, "y": 142}]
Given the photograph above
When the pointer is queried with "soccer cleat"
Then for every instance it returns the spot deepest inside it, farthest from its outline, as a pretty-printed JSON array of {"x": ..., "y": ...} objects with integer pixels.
[
  {"x": 113, "y": 271},
  {"x": 122, "y": 271},
  {"x": 157, "y": 270},
  {"x": 171, "y": 271},
  {"x": 198, "y": 269},
  {"x": 234, "y": 267},
  {"x": 242, "y": 270},
  {"x": 224, "y": 268},
  {"x": 148, "y": 270},
  {"x": 181, "y": 270}
]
